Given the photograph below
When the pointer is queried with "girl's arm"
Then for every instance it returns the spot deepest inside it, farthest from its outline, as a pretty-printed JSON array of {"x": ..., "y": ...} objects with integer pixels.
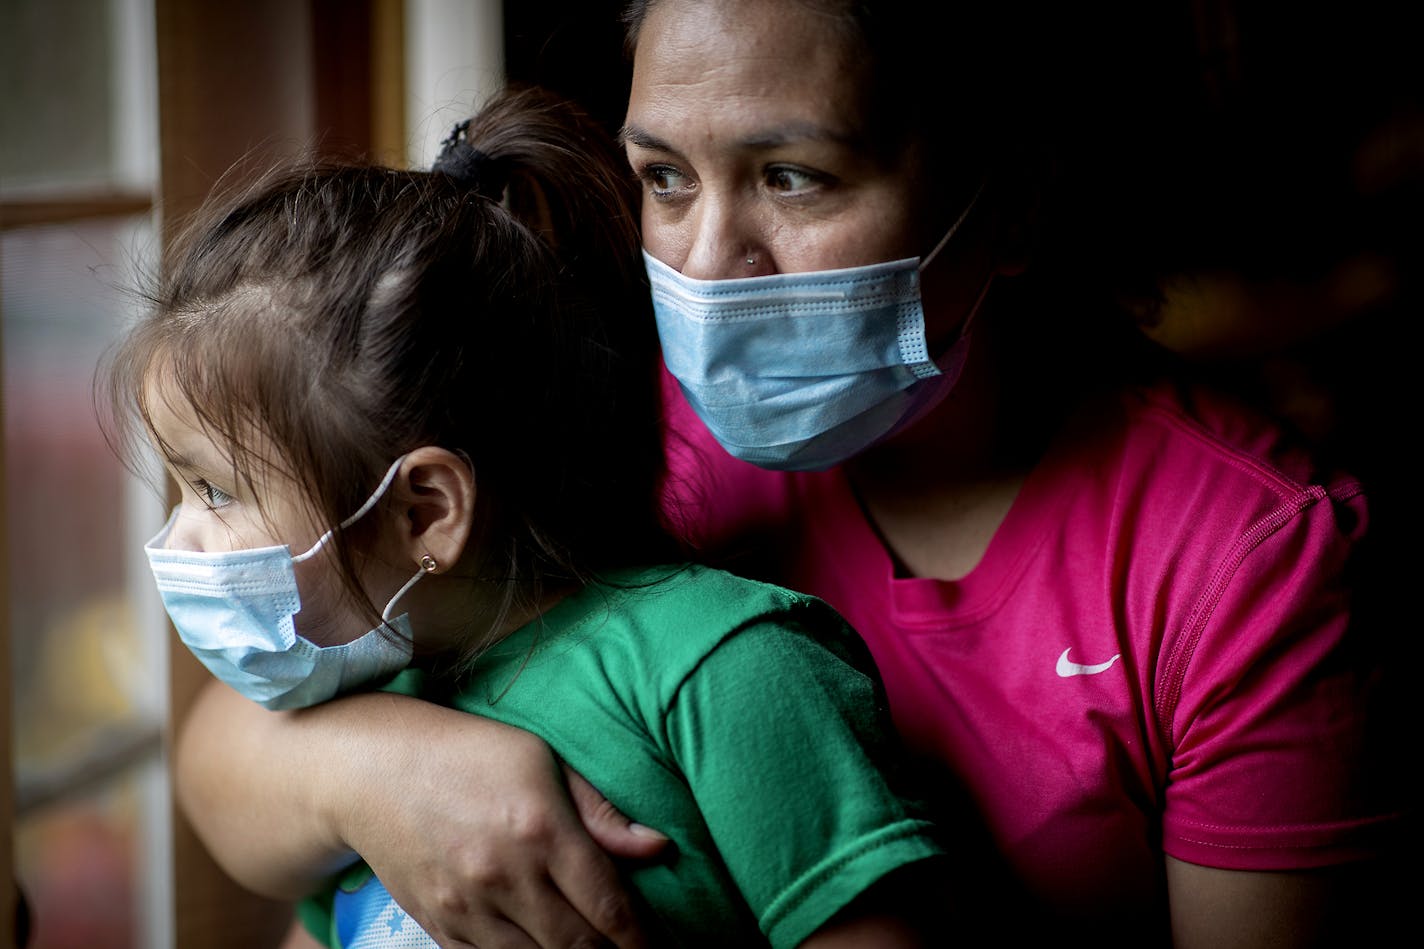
[
  {"x": 868, "y": 932},
  {"x": 469, "y": 823},
  {"x": 908, "y": 909},
  {"x": 298, "y": 938}
]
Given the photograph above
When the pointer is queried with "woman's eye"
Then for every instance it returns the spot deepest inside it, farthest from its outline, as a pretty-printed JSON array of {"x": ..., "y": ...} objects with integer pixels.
[
  {"x": 790, "y": 181},
  {"x": 665, "y": 180},
  {"x": 213, "y": 495}
]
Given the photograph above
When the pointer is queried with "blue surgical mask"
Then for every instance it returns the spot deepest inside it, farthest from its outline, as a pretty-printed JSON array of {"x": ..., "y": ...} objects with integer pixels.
[
  {"x": 801, "y": 371},
  {"x": 234, "y": 610}
]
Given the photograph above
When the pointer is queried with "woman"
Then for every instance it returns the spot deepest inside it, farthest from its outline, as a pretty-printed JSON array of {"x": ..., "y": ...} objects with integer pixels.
[{"x": 1113, "y": 619}]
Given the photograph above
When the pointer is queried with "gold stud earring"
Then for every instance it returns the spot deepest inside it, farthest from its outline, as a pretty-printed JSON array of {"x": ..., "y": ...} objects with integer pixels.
[{"x": 428, "y": 564}]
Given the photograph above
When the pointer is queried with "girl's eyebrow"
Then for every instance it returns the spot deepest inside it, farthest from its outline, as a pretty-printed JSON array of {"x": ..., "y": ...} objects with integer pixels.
[{"x": 175, "y": 459}]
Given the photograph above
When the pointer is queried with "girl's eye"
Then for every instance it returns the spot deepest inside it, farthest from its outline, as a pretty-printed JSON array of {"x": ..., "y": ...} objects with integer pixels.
[
  {"x": 213, "y": 495},
  {"x": 665, "y": 181},
  {"x": 790, "y": 182}
]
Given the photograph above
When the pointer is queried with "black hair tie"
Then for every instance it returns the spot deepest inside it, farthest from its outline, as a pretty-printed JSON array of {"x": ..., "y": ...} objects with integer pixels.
[{"x": 486, "y": 174}]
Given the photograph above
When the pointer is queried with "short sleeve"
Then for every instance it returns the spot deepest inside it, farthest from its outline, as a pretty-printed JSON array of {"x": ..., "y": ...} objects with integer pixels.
[
  {"x": 1280, "y": 687},
  {"x": 790, "y": 756}
]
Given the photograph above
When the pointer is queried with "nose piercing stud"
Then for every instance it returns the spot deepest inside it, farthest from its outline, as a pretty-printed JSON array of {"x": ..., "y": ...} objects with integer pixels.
[{"x": 751, "y": 261}]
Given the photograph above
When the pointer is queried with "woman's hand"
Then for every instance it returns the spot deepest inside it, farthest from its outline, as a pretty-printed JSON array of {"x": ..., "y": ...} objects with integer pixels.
[
  {"x": 468, "y": 823},
  {"x": 493, "y": 855}
]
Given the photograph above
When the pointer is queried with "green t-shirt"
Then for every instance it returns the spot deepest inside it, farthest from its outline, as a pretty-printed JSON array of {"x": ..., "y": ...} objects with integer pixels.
[{"x": 743, "y": 720}]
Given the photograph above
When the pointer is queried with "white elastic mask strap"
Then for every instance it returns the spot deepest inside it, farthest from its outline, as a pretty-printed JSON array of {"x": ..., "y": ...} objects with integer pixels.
[
  {"x": 974, "y": 311},
  {"x": 390, "y": 604},
  {"x": 360, "y": 513},
  {"x": 953, "y": 227}
]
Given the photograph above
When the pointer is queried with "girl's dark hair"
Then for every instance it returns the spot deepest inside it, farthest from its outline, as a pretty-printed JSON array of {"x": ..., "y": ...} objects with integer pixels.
[{"x": 333, "y": 317}]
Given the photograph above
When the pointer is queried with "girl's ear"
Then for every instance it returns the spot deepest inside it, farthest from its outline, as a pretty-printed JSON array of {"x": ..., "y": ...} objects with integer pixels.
[{"x": 435, "y": 494}]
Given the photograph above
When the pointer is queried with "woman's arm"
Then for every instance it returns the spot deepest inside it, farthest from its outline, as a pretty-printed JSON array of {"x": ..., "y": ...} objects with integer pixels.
[
  {"x": 468, "y": 822},
  {"x": 1303, "y": 909}
]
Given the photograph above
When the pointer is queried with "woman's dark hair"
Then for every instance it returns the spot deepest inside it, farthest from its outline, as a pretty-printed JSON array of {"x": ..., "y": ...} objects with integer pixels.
[
  {"x": 972, "y": 91},
  {"x": 331, "y": 318}
]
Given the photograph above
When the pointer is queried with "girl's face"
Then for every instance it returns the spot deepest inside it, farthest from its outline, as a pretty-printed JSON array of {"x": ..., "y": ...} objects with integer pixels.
[
  {"x": 747, "y": 125},
  {"x": 217, "y": 511}
]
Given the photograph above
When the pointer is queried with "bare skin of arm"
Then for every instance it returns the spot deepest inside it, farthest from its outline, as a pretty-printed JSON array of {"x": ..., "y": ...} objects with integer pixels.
[
  {"x": 285, "y": 799},
  {"x": 904, "y": 910},
  {"x": 868, "y": 932},
  {"x": 1232, "y": 909},
  {"x": 299, "y": 938}
]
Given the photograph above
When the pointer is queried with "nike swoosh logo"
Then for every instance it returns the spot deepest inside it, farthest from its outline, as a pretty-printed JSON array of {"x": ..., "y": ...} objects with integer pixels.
[{"x": 1068, "y": 668}]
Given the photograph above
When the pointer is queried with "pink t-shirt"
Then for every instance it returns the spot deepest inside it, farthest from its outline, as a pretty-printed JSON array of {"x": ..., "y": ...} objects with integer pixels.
[{"x": 1154, "y": 655}]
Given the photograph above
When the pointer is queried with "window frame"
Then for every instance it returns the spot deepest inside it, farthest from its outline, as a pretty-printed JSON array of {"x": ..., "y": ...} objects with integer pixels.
[{"x": 338, "y": 76}]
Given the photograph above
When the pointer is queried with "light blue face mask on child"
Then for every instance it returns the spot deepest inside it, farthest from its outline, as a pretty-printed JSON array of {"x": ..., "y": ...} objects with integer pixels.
[
  {"x": 233, "y": 609},
  {"x": 801, "y": 371}
]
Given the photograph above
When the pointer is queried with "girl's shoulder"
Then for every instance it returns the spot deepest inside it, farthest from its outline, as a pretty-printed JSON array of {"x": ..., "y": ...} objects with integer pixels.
[
  {"x": 714, "y": 600},
  {"x": 651, "y": 623}
]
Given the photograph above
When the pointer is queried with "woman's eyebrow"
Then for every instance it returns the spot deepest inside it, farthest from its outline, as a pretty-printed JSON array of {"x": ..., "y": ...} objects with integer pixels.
[
  {"x": 797, "y": 132},
  {"x": 637, "y": 135},
  {"x": 632, "y": 134}
]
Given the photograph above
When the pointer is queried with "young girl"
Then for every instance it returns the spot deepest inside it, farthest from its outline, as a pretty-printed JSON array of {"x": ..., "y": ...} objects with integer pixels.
[{"x": 412, "y": 417}]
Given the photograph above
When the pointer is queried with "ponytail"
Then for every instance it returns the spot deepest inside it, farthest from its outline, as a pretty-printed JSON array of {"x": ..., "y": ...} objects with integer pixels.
[
  {"x": 555, "y": 169},
  {"x": 483, "y": 173}
]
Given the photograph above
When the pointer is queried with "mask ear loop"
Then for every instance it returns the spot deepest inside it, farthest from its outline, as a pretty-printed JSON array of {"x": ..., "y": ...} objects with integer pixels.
[
  {"x": 963, "y": 338},
  {"x": 427, "y": 562},
  {"x": 427, "y": 565},
  {"x": 925, "y": 262},
  {"x": 362, "y": 512}
]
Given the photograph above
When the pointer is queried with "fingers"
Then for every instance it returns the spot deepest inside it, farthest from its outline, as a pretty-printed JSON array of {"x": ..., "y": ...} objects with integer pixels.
[
  {"x": 590, "y": 883},
  {"x": 608, "y": 827},
  {"x": 494, "y": 934},
  {"x": 546, "y": 885},
  {"x": 479, "y": 841},
  {"x": 547, "y": 921},
  {"x": 587, "y": 877}
]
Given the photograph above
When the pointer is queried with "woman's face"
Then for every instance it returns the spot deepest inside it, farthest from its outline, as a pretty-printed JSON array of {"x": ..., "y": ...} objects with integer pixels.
[{"x": 748, "y": 125}]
